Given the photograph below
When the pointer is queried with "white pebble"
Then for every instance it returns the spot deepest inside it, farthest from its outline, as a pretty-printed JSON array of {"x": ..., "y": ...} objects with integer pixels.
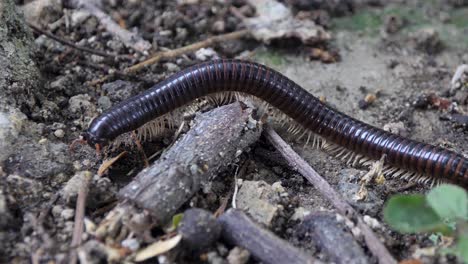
[{"x": 59, "y": 133}]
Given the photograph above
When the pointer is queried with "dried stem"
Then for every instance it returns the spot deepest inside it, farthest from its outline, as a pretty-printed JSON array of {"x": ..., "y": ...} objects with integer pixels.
[
  {"x": 79, "y": 217},
  {"x": 69, "y": 43}
]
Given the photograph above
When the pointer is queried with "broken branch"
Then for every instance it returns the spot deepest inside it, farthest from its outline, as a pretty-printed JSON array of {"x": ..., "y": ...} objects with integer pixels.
[
  {"x": 216, "y": 139},
  {"x": 239, "y": 230}
]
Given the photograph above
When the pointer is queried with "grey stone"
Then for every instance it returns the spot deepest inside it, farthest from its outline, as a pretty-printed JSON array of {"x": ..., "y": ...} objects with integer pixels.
[
  {"x": 120, "y": 90},
  {"x": 39, "y": 161},
  {"x": 259, "y": 200},
  {"x": 104, "y": 102},
  {"x": 199, "y": 229},
  {"x": 238, "y": 256},
  {"x": 11, "y": 124}
]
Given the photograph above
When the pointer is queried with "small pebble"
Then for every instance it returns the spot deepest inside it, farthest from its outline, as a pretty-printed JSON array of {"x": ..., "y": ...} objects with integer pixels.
[
  {"x": 372, "y": 222},
  {"x": 59, "y": 133},
  {"x": 367, "y": 101},
  {"x": 238, "y": 256},
  {"x": 67, "y": 214},
  {"x": 199, "y": 229},
  {"x": 131, "y": 243},
  {"x": 218, "y": 26},
  {"x": 104, "y": 102}
]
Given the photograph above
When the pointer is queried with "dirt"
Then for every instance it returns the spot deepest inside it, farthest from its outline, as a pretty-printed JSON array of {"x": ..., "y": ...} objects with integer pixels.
[{"x": 399, "y": 53}]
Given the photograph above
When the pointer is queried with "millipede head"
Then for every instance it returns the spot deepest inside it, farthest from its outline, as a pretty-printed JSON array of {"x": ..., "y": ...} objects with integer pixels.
[{"x": 94, "y": 141}]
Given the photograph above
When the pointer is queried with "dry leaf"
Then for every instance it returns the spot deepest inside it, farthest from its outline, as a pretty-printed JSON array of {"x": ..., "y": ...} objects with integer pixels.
[
  {"x": 107, "y": 163},
  {"x": 276, "y": 21},
  {"x": 158, "y": 248}
]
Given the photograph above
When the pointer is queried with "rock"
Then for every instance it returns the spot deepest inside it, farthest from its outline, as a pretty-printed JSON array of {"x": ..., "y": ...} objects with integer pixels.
[
  {"x": 11, "y": 125},
  {"x": 427, "y": 40},
  {"x": 120, "y": 90},
  {"x": 29, "y": 190},
  {"x": 78, "y": 16},
  {"x": 232, "y": 48},
  {"x": 104, "y": 102},
  {"x": 80, "y": 104},
  {"x": 56, "y": 211},
  {"x": 20, "y": 81},
  {"x": 131, "y": 243},
  {"x": 59, "y": 133},
  {"x": 371, "y": 222},
  {"x": 70, "y": 191},
  {"x": 331, "y": 237},
  {"x": 238, "y": 256},
  {"x": 6, "y": 217},
  {"x": 214, "y": 258},
  {"x": 371, "y": 205},
  {"x": 206, "y": 53},
  {"x": 218, "y": 26},
  {"x": 259, "y": 200},
  {"x": 47, "y": 11},
  {"x": 39, "y": 161},
  {"x": 274, "y": 21},
  {"x": 171, "y": 67},
  {"x": 199, "y": 229},
  {"x": 96, "y": 252},
  {"x": 396, "y": 128},
  {"x": 299, "y": 214},
  {"x": 393, "y": 23},
  {"x": 67, "y": 214},
  {"x": 181, "y": 34}
]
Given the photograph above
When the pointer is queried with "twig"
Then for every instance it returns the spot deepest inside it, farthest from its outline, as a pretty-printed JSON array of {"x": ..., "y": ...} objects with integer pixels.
[
  {"x": 192, "y": 47},
  {"x": 79, "y": 217},
  {"x": 330, "y": 236},
  {"x": 177, "y": 52},
  {"x": 207, "y": 148},
  {"x": 71, "y": 44},
  {"x": 300, "y": 165},
  {"x": 128, "y": 38},
  {"x": 239, "y": 230}
]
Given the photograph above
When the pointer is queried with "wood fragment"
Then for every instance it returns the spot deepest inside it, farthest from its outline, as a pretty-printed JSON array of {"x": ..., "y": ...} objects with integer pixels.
[
  {"x": 106, "y": 164},
  {"x": 212, "y": 144},
  {"x": 79, "y": 217},
  {"x": 321, "y": 185},
  {"x": 239, "y": 230},
  {"x": 332, "y": 238}
]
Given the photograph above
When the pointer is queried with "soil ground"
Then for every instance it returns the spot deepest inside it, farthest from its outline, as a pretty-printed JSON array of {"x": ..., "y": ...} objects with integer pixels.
[{"x": 401, "y": 68}]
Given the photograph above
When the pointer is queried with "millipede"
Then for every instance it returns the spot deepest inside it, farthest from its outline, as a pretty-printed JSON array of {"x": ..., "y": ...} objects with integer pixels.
[{"x": 345, "y": 137}]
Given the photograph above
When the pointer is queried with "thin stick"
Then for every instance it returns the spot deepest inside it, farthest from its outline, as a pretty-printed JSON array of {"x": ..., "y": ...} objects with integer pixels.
[
  {"x": 192, "y": 47},
  {"x": 79, "y": 217},
  {"x": 177, "y": 52},
  {"x": 69, "y": 43},
  {"x": 300, "y": 165}
]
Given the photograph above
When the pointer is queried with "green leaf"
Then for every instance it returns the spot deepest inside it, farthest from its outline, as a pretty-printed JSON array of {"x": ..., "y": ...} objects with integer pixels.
[
  {"x": 449, "y": 202},
  {"x": 411, "y": 214},
  {"x": 176, "y": 220},
  {"x": 462, "y": 248}
]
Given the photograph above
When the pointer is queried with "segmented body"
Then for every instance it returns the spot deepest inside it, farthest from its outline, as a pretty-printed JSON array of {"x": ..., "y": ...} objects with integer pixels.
[{"x": 282, "y": 93}]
